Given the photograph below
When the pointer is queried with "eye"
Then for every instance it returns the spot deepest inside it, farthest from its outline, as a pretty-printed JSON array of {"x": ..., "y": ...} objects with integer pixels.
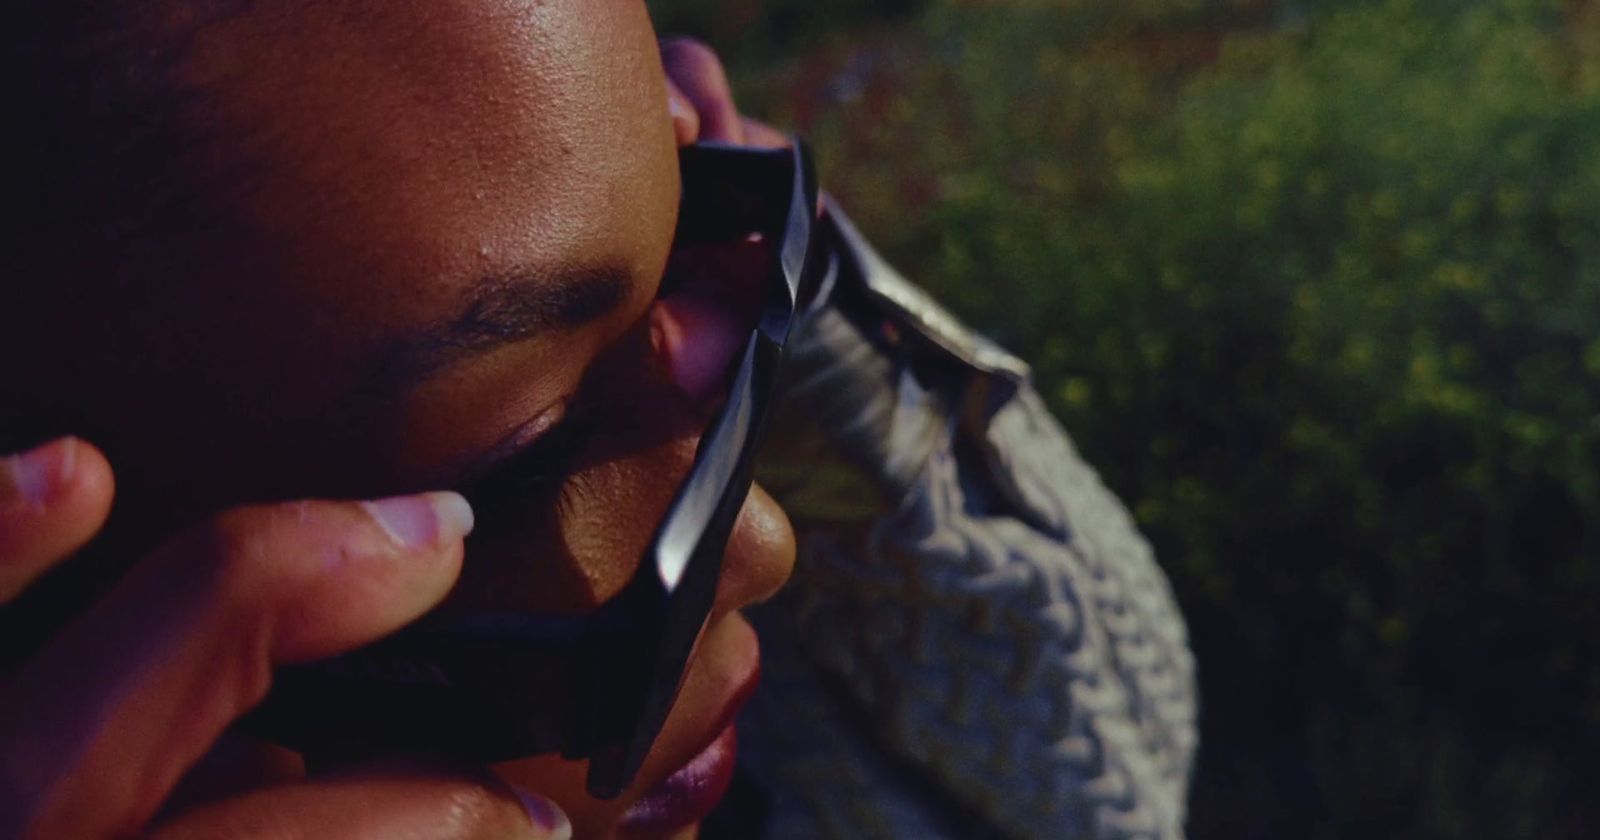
[{"x": 530, "y": 480}]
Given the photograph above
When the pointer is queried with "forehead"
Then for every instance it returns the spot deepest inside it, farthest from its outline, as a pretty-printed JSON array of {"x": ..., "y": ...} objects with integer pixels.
[{"x": 398, "y": 151}]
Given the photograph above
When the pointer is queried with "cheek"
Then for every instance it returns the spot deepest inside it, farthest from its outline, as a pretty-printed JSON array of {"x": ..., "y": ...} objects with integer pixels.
[
  {"x": 571, "y": 548},
  {"x": 611, "y": 516},
  {"x": 569, "y": 554},
  {"x": 611, "y": 512}
]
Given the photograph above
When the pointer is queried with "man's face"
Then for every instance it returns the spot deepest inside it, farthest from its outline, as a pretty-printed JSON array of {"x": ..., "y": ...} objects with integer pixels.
[{"x": 455, "y": 218}]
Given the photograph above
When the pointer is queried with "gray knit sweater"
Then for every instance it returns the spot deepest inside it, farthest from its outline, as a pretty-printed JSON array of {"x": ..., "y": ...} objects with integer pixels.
[{"x": 976, "y": 642}]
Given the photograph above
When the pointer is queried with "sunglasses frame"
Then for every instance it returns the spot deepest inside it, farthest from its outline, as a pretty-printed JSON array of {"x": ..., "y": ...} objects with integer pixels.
[{"x": 492, "y": 686}]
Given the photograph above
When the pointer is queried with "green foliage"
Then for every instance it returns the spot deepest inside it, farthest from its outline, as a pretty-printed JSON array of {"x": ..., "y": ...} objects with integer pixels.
[
  {"x": 1317, "y": 287},
  {"x": 755, "y": 33}
]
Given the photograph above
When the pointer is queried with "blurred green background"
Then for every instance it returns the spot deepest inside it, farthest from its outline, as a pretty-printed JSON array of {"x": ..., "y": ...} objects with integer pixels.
[{"x": 1317, "y": 288}]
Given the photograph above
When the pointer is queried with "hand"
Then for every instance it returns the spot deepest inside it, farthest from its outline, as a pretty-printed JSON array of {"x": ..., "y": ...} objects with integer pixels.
[
  {"x": 701, "y": 101},
  {"x": 97, "y": 729},
  {"x": 706, "y": 321}
]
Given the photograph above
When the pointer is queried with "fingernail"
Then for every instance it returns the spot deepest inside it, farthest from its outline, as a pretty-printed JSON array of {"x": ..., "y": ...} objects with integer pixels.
[
  {"x": 685, "y": 121},
  {"x": 32, "y": 477},
  {"x": 545, "y": 815},
  {"x": 425, "y": 520},
  {"x": 678, "y": 108}
]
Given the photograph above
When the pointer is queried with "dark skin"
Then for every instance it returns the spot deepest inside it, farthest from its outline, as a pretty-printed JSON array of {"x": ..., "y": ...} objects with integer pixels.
[{"x": 442, "y": 259}]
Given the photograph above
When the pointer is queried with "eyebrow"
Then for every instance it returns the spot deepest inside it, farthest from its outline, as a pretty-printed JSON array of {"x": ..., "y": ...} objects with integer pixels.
[{"x": 498, "y": 310}]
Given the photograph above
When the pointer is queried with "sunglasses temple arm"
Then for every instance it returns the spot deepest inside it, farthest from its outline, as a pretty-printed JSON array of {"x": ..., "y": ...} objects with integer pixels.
[{"x": 686, "y": 558}]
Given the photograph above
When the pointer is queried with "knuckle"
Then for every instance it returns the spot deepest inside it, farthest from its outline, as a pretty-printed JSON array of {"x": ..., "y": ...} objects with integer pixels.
[
  {"x": 236, "y": 553},
  {"x": 231, "y": 545}
]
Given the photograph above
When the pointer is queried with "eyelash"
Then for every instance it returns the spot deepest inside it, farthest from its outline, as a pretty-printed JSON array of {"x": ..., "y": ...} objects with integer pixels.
[
  {"x": 539, "y": 474},
  {"x": 533, "y": 474}
]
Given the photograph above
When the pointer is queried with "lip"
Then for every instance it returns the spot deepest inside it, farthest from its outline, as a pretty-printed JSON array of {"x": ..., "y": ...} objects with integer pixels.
[{"x": 689, "y": 794}]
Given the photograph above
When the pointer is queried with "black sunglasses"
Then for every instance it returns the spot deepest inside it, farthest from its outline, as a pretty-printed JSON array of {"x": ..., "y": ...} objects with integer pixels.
[{"x": 486, "y": 687}]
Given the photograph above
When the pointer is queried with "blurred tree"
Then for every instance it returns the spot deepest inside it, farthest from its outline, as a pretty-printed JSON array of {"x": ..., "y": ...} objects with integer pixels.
[{"x": 1317, "y": 286}]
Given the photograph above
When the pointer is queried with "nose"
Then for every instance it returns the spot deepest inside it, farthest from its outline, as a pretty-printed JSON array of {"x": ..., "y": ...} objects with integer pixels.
[
  {"x": 699, "y": 330},
  {"x": 760, "y": 556},
  {"x": 699, "y": 325}
]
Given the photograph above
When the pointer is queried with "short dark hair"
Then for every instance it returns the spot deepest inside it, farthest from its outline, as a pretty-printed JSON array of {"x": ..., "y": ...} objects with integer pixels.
[
  {"x": 102, "y": 152},
  {"x": 111, "y": 174}
]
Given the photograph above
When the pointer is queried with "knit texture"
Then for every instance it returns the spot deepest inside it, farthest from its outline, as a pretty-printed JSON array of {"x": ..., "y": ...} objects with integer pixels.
[{"x": 976, "y": 642}]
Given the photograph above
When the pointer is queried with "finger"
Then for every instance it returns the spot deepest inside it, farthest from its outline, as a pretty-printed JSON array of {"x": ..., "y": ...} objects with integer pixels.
[
  {"x": 758, "y": 133},
  {"x": 53, "y": 498},
  {"x": 234, "y": 765},
  {"x": 431, "y": 803},
  {"x": 109, "y": 714},
  {"x": 698, "y": 74},
  {"x": 705, "y": 321},
  {"x": 685, "y": 121}
]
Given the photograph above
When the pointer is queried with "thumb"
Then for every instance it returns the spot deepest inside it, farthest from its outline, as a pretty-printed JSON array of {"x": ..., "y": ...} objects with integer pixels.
[
  {"x": 53, "y": 498},
  {"x": 108, "y": 715},
  {"x": 379, "y": 804}
]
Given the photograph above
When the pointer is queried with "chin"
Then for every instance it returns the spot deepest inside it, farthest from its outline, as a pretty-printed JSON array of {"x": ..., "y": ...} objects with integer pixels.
[{"x": 691, "y": 765}]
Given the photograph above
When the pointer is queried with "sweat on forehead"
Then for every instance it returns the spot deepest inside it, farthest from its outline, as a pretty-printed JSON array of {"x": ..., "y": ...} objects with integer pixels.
[
  {"x": 157, "y": 125},
  {"x": 126, "y": 117},
  {"x": 225, "y": 192}
]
